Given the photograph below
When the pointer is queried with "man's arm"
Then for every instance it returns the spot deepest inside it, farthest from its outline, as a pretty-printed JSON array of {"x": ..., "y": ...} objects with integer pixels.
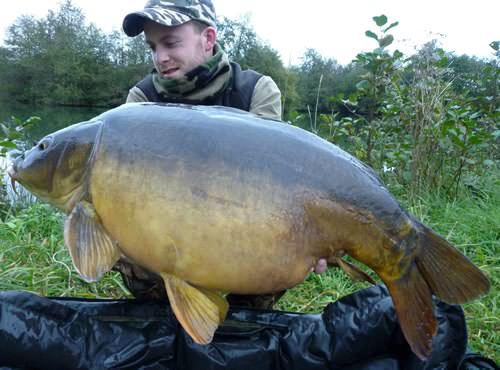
[
  {"x": 135, "y": 95},
  {"x": 266, "y": 99}
]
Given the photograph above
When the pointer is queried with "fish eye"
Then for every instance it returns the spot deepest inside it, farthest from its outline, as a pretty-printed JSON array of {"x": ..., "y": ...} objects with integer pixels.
[{"x": 43, "y": 145}]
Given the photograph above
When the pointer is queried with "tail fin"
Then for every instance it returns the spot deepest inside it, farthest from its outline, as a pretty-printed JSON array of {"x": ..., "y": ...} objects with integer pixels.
[
  {"x": 440, "y": 269},
  {"x": 451, "y": 276},
  {"x": 413, "y": 301}
]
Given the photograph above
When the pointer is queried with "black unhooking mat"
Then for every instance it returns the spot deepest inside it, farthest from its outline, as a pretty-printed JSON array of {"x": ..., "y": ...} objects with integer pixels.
[{"x": 358, "y": 332}]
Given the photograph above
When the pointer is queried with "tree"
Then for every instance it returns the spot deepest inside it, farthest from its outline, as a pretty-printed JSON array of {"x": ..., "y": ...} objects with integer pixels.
[
  {"x": 239, "y": 40},
  {"x": 237, "y": 37},
  {"x": 317, "y": 81},
  {"x": 60, "y": 59},
  {"x": 6, "y": 67}
]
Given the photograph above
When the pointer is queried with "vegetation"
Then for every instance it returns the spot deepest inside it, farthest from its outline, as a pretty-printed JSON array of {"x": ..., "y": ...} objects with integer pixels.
[
  {"x": 61, "y": 60},
  {"x": 12, "y": 133},
  {"x": 428, "y": 123},
  {"x": 411, "y": 117},
  {"x": 33, "y": 258}
]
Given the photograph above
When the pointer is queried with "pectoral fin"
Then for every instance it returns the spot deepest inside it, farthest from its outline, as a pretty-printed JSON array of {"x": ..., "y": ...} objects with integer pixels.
[
  {"x": 199, "y": 310},
  {"x": 354, "y": 272},
  {"x": 91, "y": 248}
]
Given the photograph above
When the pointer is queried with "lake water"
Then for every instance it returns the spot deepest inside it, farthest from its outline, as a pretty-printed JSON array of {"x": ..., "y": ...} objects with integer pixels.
[{"x": 52, "y": 118}]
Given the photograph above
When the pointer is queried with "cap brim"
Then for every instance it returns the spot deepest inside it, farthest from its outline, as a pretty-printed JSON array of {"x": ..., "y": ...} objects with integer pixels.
[{"x": 133, "y": 23}]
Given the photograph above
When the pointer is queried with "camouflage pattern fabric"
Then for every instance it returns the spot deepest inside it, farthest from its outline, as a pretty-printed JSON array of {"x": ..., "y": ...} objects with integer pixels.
[
  {"x": 170, "y": 13},
  {"x": 202, "y": 82}
]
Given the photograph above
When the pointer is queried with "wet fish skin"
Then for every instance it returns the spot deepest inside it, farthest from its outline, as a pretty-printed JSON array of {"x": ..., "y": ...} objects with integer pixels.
[{"x": 213, "y": 199}]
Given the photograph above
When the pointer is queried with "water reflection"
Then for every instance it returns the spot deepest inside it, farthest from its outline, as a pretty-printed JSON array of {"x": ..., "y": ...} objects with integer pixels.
[{"x": 52, "y": 118}]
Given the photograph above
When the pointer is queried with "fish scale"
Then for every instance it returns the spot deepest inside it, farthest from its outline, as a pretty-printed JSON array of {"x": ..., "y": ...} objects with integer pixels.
[{"x": 217, "y": 200}]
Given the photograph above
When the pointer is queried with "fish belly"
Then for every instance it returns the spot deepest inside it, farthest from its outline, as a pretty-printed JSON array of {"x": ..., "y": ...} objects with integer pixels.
[{"x": 220, "y": 234}]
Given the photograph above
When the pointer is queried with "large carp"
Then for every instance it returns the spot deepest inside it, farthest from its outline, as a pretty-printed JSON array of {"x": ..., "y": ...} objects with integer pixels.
[{"x": 217, "y": 200}]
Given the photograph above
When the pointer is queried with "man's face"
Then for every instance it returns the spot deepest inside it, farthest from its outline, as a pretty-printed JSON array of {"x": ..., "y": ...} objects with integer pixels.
[{"x": 178, "y": 49}]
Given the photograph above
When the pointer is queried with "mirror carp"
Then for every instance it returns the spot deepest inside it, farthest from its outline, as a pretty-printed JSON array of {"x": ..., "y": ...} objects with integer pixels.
[{"x": 218, "y": 200}]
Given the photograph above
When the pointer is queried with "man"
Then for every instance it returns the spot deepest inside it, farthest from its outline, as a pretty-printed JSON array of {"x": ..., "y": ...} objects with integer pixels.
[{"x": 191, "y": 68}]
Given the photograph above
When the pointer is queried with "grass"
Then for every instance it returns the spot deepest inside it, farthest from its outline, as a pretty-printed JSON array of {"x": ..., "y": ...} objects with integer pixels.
[
  {"x": 473, "y": 225},
  {"x": 33, "y": 258}
]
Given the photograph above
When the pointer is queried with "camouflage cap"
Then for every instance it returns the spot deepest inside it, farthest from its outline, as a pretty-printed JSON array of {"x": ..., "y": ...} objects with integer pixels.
[{"x": 170, "y": 13}]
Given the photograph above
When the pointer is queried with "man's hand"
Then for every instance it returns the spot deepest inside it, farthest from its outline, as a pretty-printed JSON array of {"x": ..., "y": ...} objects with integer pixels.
[{"x": 320, "y": 267}]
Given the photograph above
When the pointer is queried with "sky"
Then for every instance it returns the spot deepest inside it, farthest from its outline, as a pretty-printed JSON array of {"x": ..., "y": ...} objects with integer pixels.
[{"x": 335, "y": 29}]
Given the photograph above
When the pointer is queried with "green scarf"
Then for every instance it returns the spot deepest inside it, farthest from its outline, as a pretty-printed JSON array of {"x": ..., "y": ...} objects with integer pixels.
[{"x": 202, "y": 82}]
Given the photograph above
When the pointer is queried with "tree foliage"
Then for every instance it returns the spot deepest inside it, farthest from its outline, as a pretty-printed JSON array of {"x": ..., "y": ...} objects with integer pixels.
[
  {"x": 315, "y": 68},
  {"x": 239, "y": 40},
  {"x": 61, "y": 60},
  {"x": 430, "y": 119}
]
